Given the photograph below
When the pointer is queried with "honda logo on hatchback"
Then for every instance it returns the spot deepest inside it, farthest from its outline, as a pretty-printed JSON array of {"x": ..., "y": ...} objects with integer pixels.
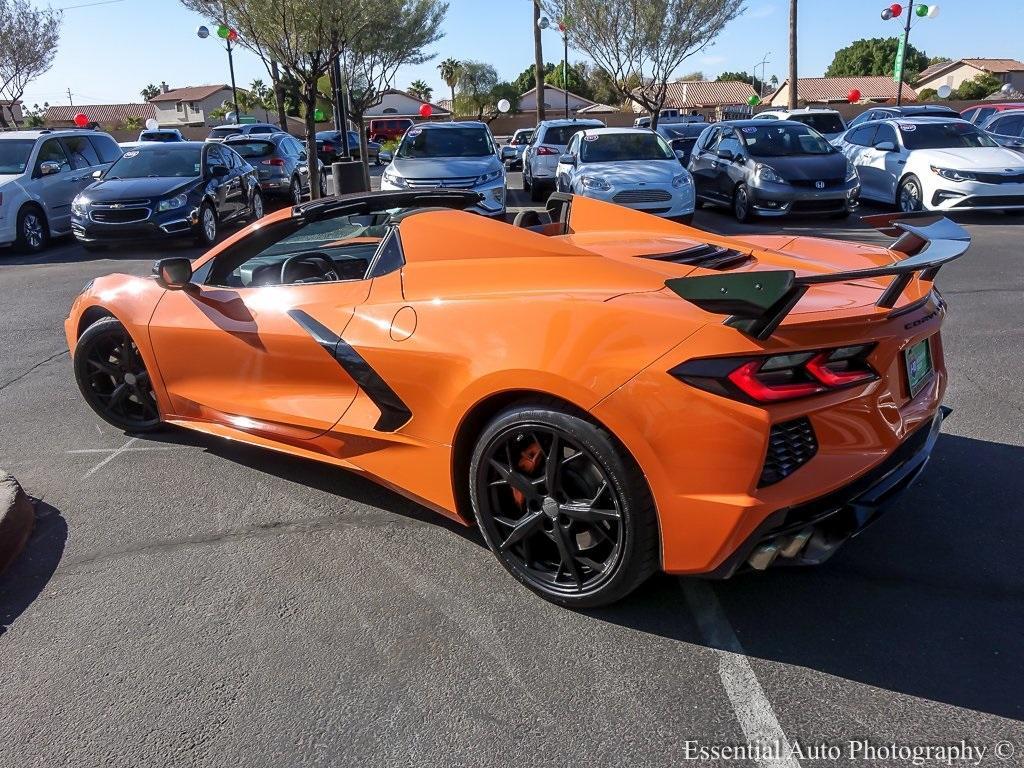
[{"x": 819, "y": 184}]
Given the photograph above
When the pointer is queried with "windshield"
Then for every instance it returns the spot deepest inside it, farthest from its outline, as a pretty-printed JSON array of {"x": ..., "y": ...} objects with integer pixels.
[
  {"x": 559, "y": 135},
  {"x": 252, "y": 148},
  {"x": 691, "y": 131},
  {"x": 784, "y": 140},
  {"x": 157, "y": 136},
  {"x": 613, "y": 147},
  {"x": 521, "y": 138},
  {"x": 14, "y": 154},
  {"x": 943, "y": 136},
  {"x": 221, "y": 133},
  {"x": 143, "y": 163},
  {"x": 822, "y": 123},
  {"x": 446, "y": 142}
]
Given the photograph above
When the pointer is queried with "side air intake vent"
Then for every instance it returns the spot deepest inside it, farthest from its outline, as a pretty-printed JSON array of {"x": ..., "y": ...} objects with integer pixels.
[
  {"x": 705, "y": 255},
  {"x": 790, "y": 445}
]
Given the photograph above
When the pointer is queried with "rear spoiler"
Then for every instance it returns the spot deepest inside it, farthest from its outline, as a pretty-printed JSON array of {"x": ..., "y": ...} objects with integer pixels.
[{"x": 757, "y": 302}]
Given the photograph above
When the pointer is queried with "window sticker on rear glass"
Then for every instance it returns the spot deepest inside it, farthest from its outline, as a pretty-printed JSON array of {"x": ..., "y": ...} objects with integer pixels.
[
  {"x": 415, "y": 131},
  {"x": 750, "y": 129},
  {"x": 908, "y": 127},
  {"x": 197, "y": 167},
  {"x": 591, "y": 138},
  {"x": 131, "y": 153}
]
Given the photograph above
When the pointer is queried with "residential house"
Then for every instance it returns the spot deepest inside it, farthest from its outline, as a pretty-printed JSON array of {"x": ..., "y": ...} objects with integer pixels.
[
  {"x": 402, "y": 104},
  {"x": 714, "y": 99},
  {"x": 189, "y": 106},
  {"x": 956, "y": 73},
  {"x": 554, "y": 102},
  {"x": 823, "y": 91},
  {"x": 107, "y": 115}
]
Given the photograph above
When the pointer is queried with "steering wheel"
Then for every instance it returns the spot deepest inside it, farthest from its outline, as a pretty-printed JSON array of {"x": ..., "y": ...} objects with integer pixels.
[{"x": 311, "y": 258}]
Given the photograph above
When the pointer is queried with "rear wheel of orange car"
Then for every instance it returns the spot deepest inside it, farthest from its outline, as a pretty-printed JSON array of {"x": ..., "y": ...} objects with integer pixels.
[
  {"x": 563, "y": 506},
  {"x": 113, "y": 378}
]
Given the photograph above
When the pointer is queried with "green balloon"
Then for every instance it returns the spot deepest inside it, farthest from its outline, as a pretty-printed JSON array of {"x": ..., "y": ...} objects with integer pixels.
[
  {"x": 753, "y": 100},
  {"x": 318, "y": 115},
  {"x": 921, "y": 10},
  {"x": 223, "y": 31}
]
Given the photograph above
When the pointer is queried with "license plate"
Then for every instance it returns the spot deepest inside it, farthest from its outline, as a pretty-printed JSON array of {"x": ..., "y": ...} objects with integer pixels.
[{"x": 918, "y": 360}]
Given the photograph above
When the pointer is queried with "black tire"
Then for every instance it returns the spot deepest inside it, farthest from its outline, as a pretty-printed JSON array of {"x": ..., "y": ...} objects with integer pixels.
[
  {"x": 256, "y": 206},
  {"x": 842, "y": 214},
  {"x": 94, "y": 247},
  {"x": 606, "y": 545},
  {"x": 208, "y": 228},
  {"x": 113, "y": 378},
  {"x": 909, "y": 197},
  {"x": 324, "y": 191},
  {"x": 742, "y": 208},
  {"x": 33, "y": 233},
  {"x": 295, "y": 191},
  {"x": 537, "y": 193},
  {"x": 526, "y": 180}
]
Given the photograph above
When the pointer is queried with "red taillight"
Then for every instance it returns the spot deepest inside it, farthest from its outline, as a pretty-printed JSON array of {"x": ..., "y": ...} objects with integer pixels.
[
  {"x": 777, "y": 378},
  {"x": 328, "y": 147},
  {"x": 277, "y": 161},
  {"x": 542, "y": 150}
]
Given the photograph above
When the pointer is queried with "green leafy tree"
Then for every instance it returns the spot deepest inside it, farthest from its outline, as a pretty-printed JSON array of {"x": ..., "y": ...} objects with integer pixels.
[
  {"x": 745, "y": 77},
  {"x": 938, "y": 60},
  {"x": 451, "y": 71},
  {"x": 875, "y": 56},
  {"x": 150, "y": 91},
  {"x": 981, "y": 86},
  {"x": 421, "y": 90},
  {"x": 527, "y": 78},
  {"x": 643, "y": 41},
  {"x": 34, "y": 115},
  {"x": 927, "y": 94},
  {"x": 695, "y": 75},
  {"x": 261, "y": 95},
  {"x": 477, "y": 81},
  {"x": 578, "y": 83},
  {"x": 503, "y": 90}
]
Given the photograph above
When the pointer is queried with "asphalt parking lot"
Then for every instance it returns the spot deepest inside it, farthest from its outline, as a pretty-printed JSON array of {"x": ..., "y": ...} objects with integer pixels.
[{"x": 191, "y": 601}]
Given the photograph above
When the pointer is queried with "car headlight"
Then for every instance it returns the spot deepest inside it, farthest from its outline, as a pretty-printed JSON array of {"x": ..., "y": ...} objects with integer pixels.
[
  {"x": 171, "y": 203},
  {"x": 953, "y": 175},
  {"x": 851, "y": 172},
  {"x": 487, "y": 177},
  {"x": 767, "y": 173},
  {"x": 80, "y": 205},
  {"x": 393, "y": 178},
  {"x": 680, "y": 181},
  {"x": 597, "y": 183}
]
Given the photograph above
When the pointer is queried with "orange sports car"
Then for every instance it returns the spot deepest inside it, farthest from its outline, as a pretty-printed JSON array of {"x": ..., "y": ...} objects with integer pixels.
[{"x": 603, "y": 392}]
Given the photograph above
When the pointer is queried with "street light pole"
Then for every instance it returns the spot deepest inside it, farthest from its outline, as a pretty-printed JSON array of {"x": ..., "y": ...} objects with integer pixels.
[
  {"x": 906, "y": 38},
  {"x": 565, "y": 67},
  {"x": 234, "y": 90},
  {"x": 923, "y": 11}
]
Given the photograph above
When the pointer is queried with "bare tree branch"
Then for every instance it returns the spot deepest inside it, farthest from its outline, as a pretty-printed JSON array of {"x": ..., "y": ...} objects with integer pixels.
[{"x": 28, "y": 44}]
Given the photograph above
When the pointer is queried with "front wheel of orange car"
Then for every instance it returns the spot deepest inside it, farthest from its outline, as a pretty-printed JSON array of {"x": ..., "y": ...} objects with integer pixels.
[
  {"x": 113, "y": 378},
  {"x": 563, "y": 506}
]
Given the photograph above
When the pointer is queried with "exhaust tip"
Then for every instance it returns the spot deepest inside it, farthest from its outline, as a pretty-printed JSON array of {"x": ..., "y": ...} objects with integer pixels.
[{"x": 763, "y": 556}]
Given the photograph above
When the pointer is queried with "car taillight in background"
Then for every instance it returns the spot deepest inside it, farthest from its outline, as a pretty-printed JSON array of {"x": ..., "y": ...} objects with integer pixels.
[
  {"x": 328, "y": 147},
  {"x": 776, "y": 378},
  {"x": 277, "y": 161},
  {"x": 542, "y": 150}
]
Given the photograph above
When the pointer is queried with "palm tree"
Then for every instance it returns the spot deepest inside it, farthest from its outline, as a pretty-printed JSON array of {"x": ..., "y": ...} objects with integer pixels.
[
  {"x": 421, "y": 90},
  {"x": 450, "y": 71},
  {"x": 793, "y": 95}
]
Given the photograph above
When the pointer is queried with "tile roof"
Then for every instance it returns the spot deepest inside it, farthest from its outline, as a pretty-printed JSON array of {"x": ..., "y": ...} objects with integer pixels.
[
  {"x": 996, "y": 65},
  {"x": 192, "y": 93},
  {"x": 100, "y": 113},
  {"x": 934, "y": 69},
  {"x": 707, "y": 93},
  {"x": 824, "y": 89}
]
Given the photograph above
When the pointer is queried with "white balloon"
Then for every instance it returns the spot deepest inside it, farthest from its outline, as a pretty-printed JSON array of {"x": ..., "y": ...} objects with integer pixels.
[
  {"x": 933, "y": 11},
  {"x": 504, "y": 105},
  {"x": 944, "y": 91},
  {"x": 152, "y": 124},
  {"x": 1007, "y": 89},
  {"x": 202, "y": 32}
]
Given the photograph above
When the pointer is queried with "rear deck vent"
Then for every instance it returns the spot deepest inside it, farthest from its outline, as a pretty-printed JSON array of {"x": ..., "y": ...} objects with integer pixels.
[
  {"x": 705, "y": 255},
  {"x": 791, "y": 444}
]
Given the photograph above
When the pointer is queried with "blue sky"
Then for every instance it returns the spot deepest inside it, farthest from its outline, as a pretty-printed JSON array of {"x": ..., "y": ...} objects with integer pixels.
[{"x": 109, "y": 51}]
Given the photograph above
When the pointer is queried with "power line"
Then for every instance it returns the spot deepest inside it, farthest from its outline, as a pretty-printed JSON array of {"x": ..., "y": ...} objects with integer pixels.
[{"x": 89, "y": 5}]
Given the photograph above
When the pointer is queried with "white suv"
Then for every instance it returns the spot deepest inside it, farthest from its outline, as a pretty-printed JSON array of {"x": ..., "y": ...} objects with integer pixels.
[
  {"x": 828, "y": 122},
  {"x": 41, "y": 172},
  {"x": 548, "y": 144}
]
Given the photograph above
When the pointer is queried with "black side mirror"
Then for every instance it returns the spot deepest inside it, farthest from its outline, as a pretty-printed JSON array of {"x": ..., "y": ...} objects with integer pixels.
[
  {"x": 173, "y": 273},
  {"x": 726, "y": 154},
  {"x": 219, "y": 171},
  {"x": 567, "y": 159}
]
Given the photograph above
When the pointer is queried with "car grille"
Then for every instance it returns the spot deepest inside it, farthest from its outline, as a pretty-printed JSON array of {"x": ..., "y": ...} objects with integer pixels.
[
  {"x": 1000, "y": 178},
  {"x": 790, "y": 445},
  {"x": 628, "y": 196},
  {"x": 817, "y": 206},
  {"x": 829, "y": 183},
  {"x": 456, "y": 182},
  {"x": 119, "y": 215}
]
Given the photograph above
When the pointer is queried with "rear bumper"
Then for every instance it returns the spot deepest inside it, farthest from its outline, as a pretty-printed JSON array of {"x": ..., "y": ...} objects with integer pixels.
[{"x": 810, "y": 533}]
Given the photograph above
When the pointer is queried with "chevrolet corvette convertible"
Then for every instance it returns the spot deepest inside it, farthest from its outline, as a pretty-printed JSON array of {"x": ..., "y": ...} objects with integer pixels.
[{"x": 604, "y": 393}]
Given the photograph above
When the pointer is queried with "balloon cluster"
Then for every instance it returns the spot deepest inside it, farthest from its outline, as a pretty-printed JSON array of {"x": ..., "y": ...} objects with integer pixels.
[
  {"x": 224, "y": 32},
  {"x": 920, "y": 9}
]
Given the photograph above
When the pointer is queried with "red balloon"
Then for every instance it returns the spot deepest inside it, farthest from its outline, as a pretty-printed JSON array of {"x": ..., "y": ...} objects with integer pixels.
[
  {"x": 81, "y": 120},
  {"x": 426, "y": 110},
  {"x": 232, "y": 35},
  {"x": 854, "y": 96},
  {"x": 896, "y": 9}
]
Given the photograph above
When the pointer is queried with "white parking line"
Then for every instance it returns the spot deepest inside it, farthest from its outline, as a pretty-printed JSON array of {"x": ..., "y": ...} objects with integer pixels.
[
  {"x": 123, "y": 449},
  {"x": 113, "y": 455},
  {"x": 753, "y": 710}
]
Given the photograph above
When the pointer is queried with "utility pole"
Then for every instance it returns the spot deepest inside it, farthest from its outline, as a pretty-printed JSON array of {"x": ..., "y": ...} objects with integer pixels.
[
  {"x": 538, "y": 61},
  {"x": 759, "y": 84},
  {"x": 903, "y": 57},
  {"x": 565, "y": 66},
  {"x": 72, "y": 103},
  {"x": 793, "y": 81}
]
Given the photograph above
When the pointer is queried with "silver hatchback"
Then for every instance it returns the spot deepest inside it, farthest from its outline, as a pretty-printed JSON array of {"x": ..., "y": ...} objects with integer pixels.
[{"x": 540, "y": 160}]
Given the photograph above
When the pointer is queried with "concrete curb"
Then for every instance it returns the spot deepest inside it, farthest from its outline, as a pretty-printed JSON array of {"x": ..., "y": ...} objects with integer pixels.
[{"x": 17, "y": 516}]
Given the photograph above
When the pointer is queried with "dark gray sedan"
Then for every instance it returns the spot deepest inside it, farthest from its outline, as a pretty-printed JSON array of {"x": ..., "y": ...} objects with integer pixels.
[
  {"x": 280, "y": 163},
  {"x": 772, "y": 168}
]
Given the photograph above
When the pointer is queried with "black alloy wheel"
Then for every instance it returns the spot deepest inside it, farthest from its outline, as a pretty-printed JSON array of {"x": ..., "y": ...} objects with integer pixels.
[
  {"x": 741, "y": 206},
  {"x": 256, "y": 206},
  {"x": 113, "y": 378},
  {"x": 33, "y": 233},
  {"x": 563, "y": 509},
  {"x": 296, "y": 192}
]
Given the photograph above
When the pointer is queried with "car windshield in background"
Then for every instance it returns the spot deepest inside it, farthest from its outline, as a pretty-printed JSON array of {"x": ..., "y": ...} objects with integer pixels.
[
  {"x": 157, "y": 136},
  {"x": 784, "y": 140},
  {"x": 446, "y": 142},
  {"x": 223, "y": 133},
  {"x": 612, "y": 147},
  {"x": 688, "y": 131},
  {"x": 943, "y": 136},
  {"x": 559, "y": 136},
  {"x": 160, "y": 163},
  {"x": 14, "y": 154},
  {"x": 252, "y": 148},
  {"x": 522, "y": 138},
  {"x": 821, "y": 123}
]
